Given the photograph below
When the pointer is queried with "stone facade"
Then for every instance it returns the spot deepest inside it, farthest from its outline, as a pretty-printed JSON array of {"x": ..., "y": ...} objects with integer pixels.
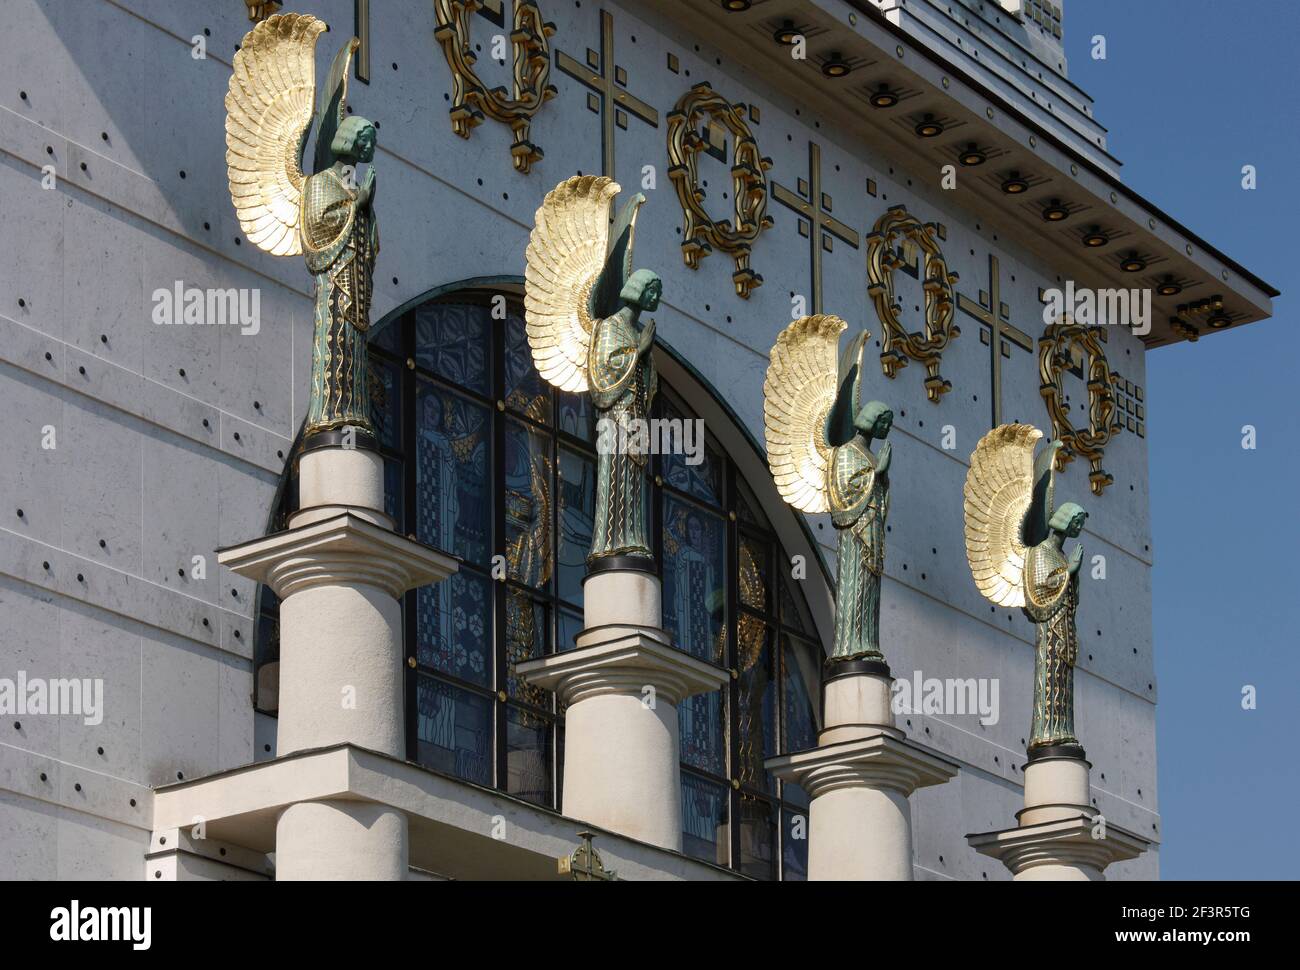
[{"x": 170, "y": 441}]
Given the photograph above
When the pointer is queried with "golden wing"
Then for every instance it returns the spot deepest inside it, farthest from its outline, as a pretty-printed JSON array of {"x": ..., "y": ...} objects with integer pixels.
[
  {"x": 999, "y": 490},
  {"x": 566, "y": 253},
  {"x": 269, "y": 108},
  {"x": 797, "y": 395}
]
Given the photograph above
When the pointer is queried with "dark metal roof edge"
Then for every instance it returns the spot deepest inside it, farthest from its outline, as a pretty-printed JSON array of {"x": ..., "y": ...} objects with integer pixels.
[{"x": 881, "y": 20}]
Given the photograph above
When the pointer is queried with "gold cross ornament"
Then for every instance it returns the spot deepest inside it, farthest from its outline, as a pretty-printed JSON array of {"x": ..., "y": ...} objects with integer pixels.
[
  {"x": 816, "y": 222},
  {"x": 994, "y": 314},
  {"x": 608, "y": 95}
]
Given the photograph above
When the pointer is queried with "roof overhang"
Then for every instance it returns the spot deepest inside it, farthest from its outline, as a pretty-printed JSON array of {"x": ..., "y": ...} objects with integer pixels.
[{"x": 1015, "y": 135}]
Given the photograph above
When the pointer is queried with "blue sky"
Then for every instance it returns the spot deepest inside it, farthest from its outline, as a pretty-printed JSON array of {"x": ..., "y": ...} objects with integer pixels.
[{"x": 1191, "y": 91}]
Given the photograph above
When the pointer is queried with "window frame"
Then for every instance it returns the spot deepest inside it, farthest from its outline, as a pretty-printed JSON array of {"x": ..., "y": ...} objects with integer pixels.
[{"x": 405, "y": 361}]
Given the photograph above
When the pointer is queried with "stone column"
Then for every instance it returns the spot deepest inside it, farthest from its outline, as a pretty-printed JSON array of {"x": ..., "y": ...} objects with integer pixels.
[
  {"x": 339, "y": 571},
  {"x": 1059, "y": 835},
  {"x": 622, "y": 685},
  {"x": 859, "y": 778}
]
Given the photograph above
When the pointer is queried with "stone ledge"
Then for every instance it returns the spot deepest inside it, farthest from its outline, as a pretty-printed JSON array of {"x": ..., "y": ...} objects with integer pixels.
[
  {"x": 886, "y": 760},
  {"x": 343, "y": 549},
  {"x": 1064, "y": 842},
  {"x": 452, "y": 823},
  {"x": 629, "y": 660}
]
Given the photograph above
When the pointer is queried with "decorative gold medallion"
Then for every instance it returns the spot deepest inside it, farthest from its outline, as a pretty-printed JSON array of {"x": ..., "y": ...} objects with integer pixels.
[
  {"x": 702, "y": 106},
  {"x": 471, "y": 99},
  {"x": 897, "y": 344},
  {"x": 1062, "y": 348}
]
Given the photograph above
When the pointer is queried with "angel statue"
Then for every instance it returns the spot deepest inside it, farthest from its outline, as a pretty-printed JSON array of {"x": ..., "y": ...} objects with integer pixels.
[
  {"x": 819, "y": 450},
  {"x": 582, "y": 304},
  {"x": 1014, "y": 544},
  {"x": 325, "y": 217}
]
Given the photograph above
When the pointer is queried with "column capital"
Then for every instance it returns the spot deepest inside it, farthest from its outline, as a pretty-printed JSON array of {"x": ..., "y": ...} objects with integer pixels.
[
  {"x": 622, "y": 660},
  {"x": 343, "y": 549},
  {"x": 885, "y": 760},
  {"x": 1067, "y": 843}
]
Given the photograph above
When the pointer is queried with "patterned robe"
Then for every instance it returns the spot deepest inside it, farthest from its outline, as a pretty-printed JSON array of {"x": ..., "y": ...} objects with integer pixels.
[
  {"x": 1051, "y": 598},
  {"x": 340, "y": 242},
  {"x": 859, "y": 506},
  {"x": 623, "y": 383}
]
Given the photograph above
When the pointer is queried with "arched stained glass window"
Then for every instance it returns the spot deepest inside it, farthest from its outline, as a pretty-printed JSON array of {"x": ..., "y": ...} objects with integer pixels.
[{"x": 486, "y": 461}]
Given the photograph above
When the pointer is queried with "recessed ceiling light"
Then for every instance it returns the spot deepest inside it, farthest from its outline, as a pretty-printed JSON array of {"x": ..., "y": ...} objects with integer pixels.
[
  {"x": 1133, "y": 263},
  {"x": 1055, "y": 212},
  {"x": 1014, "y": 184},
  {"x": 1095, "y": 238},
  {"x": 1169, "y": 287},
  {"x": 928, "y": 127},
  {"x": 835, "y": 66},
  {"x": 882, "y": 97},
  {"x": 972, "y": 155},
  {"x": 736, "y": 6},
  {"x": 1218, "y": 321},
  {"x": 786, "y": 34}
]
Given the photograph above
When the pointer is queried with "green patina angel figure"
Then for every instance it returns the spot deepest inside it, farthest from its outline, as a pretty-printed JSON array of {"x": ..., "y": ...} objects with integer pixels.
[
  {"x": 326, "y": 217},
  {"x": 583, "y": 306},
  {"x": 819, "y": 450},
  {"x": 1015, "y": 544}
]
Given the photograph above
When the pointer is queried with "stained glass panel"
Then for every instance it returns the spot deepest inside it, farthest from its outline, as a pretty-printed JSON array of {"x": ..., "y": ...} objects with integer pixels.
[
  {"x": 754, "y": 568},
  {"x": 800, "y": 680},
  {"x": 702, "y": 732},
  {"x": 755, "y": 703},
  {"x": 757, "y": 838},
  {"x": 694, "y": 584},
  {"x": 454, "y": 627},
  {"x": 393, "y": 503},
  {"x": 794, "y": 846},
  {"x": 388, "y": 337},
  {"x": 769, "y": 707},
  {"x": 570, "y": 625},
  {"x": 697, "y": 470},
  {"x": 704, "y": 819},
  {"x": 577, "y": 510},
  {"x": 577, "y": 416},
  {"x": 525, "y": 640},
  {"x": 452, "y": 340},
  {"x": 525, "y": 391},
  {"x": 453, "y": 496},
  {"x": 528, "y": 756},
  {"x": 528, "y": 505},
  {"x": 794, "y": 609},
  {"x": 454, "y": 730},
  {"x": 747, "y": 507},
  {"x": 385, "y": 402}
]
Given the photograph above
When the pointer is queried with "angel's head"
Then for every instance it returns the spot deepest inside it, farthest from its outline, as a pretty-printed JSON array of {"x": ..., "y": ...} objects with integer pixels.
[
  {"x": 355, "y": 139},
  {"x": 642, "y": 290},
  {"x": 874, "y": 419},
  {"x": 1068, "y": 520}
]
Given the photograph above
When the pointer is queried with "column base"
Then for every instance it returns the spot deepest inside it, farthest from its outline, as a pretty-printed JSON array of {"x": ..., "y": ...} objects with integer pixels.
[
  {"x": 621, "y": 754},
  {"x": 1059, "y": 836},
  {"x": 1067, "y": 849},
  {"x": 860, "y": 821}
]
